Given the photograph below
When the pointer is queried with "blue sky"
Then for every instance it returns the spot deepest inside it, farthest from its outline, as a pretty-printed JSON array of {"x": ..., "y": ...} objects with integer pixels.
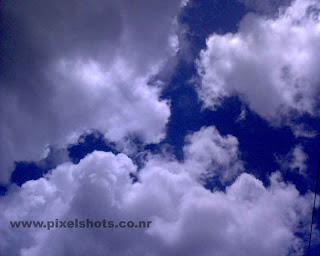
[{"x": 114, "y": 84}]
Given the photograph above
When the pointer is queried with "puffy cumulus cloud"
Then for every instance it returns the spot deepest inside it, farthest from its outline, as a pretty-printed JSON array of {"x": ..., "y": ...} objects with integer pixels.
[
  {"x": 53, "y": 196},
  {"x": 247, "y": 219},
  {"x": 68, "y": 67},
  {"x": 218, "y": 155},
  {"x": 271, "y": 63}
]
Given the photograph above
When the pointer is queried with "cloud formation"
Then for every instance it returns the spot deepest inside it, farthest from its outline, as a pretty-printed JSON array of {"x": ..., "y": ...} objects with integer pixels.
[
  {"x": 271, "y": 63},
  {"x": 69, "y": 67},
  {"x": 247, "y": 219},
  {"x": 295, "y": 160},
  {"x": 217, "y": 155},
  {"x": 265, "y": 6}
]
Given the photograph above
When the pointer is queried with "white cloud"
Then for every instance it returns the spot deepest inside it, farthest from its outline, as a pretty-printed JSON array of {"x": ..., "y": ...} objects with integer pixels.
[
  {"x": 72, "y": 66},
  {"x": 299, "y": 159},
  {"x": 295, "y": 160},
  {"x": 271, "y": 63},
  {"x": 242, "y": 116},
  {"x": 218, "y": 155},
  {"x": 303, "y": 131},
  {"x": 187, "y": 219}
]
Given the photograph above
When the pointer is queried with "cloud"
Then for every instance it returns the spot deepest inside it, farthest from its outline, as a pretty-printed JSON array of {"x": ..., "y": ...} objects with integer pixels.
[
  {"x": 68, "y": 67},
  {"x": 270, "y": 63},
  {"x": 265, "y": 6},
  {"x": 302, "y": 130},
  {"x": 216, "y": 154},
  {"x": 299, "y": 159},
  {"x": 295, "y": 160},
  {"x": 247, "y": 219}
]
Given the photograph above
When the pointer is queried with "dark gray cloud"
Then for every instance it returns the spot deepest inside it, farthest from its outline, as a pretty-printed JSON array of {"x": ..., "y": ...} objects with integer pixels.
[{"x": 70, "y": 66}]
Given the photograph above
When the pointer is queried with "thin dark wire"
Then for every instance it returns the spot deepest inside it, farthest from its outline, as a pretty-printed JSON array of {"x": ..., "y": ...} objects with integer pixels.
[{"x": 314, "y": 206}]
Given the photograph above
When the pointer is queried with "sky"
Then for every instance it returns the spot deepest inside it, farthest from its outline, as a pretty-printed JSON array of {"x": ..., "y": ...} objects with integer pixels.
[{"x": 199, "y": 115}]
